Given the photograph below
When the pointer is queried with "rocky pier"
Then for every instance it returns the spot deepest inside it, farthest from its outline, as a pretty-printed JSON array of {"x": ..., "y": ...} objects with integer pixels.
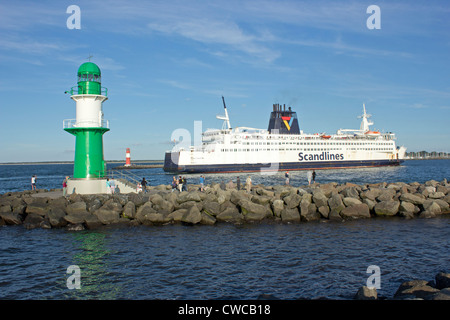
[{"x": 280, "y": 204}]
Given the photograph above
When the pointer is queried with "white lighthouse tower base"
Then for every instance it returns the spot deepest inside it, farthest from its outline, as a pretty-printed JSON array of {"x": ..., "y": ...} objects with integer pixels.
[{"x": 86, "y": 186}]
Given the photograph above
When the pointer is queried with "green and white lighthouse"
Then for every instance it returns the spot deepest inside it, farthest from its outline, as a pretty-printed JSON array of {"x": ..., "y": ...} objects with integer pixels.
[{"x": 89, "y": 172}]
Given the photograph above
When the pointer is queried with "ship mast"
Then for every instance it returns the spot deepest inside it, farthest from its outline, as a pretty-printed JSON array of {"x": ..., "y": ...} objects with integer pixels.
[
  {"x": 225, "y": 118},
  {"x": 365, "y": 123}
]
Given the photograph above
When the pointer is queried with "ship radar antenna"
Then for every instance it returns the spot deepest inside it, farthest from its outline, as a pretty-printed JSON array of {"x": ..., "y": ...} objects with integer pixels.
[{"x": 225, "y": 118}]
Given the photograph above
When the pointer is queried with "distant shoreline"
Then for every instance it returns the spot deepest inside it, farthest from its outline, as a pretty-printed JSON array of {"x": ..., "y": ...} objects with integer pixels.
[{"x": 148, "y": 161}]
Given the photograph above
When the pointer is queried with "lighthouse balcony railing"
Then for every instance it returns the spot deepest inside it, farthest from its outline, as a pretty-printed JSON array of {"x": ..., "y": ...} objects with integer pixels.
[
  {"x": 79, "y": 90},
  {"x": 72, "y": 123}
]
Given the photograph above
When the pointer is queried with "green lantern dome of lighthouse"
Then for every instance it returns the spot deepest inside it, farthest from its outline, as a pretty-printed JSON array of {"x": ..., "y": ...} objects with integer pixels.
[
  {"x": 89, "y": 79},
  {"x": 89, "y": 68}
]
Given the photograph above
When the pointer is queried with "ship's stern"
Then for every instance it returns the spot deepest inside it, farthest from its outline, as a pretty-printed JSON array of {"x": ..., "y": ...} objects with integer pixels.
[{"x": 171, "y": 159}]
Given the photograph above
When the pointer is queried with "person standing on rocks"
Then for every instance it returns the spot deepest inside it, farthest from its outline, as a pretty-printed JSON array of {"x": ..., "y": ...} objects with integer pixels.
[
  {"x": 286, "y": 175},
  {"x": 238, "y": 182},
  {"x": 202, "y": 183},
  {"x": 65, "y": 186},
  {"x": 184, "y": 188},
  {"x": 249, "y": 184},
  {"x": 174, "y": 183},
  {"x": 309, "y": 177},
  {"x": 113, "y": 186},
  {"x": 108, "y": 186},
  {"x": 144, "y": 185},
  {"x": 314, "y": 176},
  {"x": 33, "y": 182},
  {"x": 180, "y": 184}
]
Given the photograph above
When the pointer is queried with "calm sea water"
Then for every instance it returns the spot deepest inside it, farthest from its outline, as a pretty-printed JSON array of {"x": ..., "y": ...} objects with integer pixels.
[{"x": 306, "y": 260}]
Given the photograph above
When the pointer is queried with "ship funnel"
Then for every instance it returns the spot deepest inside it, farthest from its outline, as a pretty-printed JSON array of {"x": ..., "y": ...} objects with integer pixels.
[{"x": 282, "y": 121}]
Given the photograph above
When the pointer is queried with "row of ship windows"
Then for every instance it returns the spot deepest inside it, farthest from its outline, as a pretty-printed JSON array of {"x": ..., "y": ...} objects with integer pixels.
[
  {"x": 322, "y": 143},
  {"x": 306, "y": 149}
]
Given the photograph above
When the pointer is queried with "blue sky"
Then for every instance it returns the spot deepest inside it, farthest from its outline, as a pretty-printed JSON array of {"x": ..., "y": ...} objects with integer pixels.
[{"x": 167, "y": 63}]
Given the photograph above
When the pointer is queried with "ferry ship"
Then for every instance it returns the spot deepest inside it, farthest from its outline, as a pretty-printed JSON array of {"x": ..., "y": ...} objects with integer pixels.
[{"x": 284, "y": 147}]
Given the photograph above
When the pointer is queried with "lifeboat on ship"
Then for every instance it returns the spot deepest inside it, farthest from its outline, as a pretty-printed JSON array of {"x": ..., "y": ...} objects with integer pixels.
[{"x": 372, "y": 133}]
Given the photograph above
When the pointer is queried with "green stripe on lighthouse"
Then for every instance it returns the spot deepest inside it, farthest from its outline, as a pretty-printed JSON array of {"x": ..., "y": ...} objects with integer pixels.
[{"x": 89, "y": 161}]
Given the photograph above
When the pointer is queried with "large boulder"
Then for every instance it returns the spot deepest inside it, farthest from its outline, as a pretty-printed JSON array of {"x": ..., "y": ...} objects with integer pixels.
[
  {"x": 292, "y": 200},
  {"x": 324, "y": 211},
  {"x": 262, "y": 200},
  {"x": 431, "y": 206},
  {"x": 92, "y": 222},
  {"x": 366, "y": 293},
  {"x": 350, "y": 201},
  {"x": 188, "y": 196},
  {"x": 33, "y": 220},
  {"x": 107, "y": 216},
  {"x": 143, "y": 211},
  {"x": 192, "y": 216},
  {"x": 308, "y": 211},
  {"x": 436, "y": 195},
  {"x": 253, "y": 211},
  {"x": 38, "y": 207},
  {"x": 416, "y": 289},
  {"x": 237, "y": 196},
  {"x": 277, "y": 207},
  {"x": 56, "y": 217},
  {"x": 11, "y": 218},
  {"x": 77, "y": 217},
  {"x": 290, "y": 215},
  {"x": 412, "y": 198},
  {"x": 129, "y": 210},
  {"x": 207, "y": 219},
  {"x": 211, "y": 208},
  {"x": 76, "y": 207},
  {"x": 230, "y": 215},
  {"x": 356, "y": 211},
  {"x": 336, "y": 205},
  {"x": 177, "y": 215},
  {"x": 370, "y": 194},
  {"x": 351, "y": 192},
  {"x": 442, "y": 280},
  {"x": 387, "y": 208},
  {"x": 386, "y": 195},
  {"x": 320, "y": 199}
]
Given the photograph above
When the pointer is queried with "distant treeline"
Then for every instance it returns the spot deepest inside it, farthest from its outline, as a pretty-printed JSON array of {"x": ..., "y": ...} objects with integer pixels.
[{"x": 427, "y": 155}]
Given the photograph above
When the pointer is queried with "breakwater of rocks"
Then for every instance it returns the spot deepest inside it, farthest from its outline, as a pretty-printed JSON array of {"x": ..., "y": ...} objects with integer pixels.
[
  {"x": 436, "y": 289},
  {"x": 284, "y": 204}
]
